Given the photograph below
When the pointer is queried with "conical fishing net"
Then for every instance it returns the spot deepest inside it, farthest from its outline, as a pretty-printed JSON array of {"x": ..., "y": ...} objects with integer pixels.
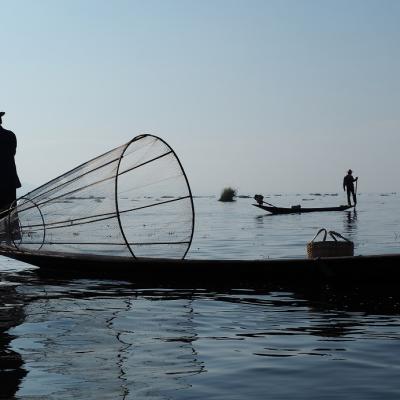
[{"x": 133, "y": 201}]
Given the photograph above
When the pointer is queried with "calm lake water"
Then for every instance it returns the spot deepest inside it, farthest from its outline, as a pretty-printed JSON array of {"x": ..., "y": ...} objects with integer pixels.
[{"x": 92, "y": 339}]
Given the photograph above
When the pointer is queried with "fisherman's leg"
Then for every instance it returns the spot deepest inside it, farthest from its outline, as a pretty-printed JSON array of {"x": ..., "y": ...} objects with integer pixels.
[
  {"x": 348, "y": 198},
  {"x": 14, "y": 220},
  {"x": 11, "y": 221},
  {"x": 4, "y": 225},
  {"x": 8, "y": 196},
  {"x": 3, "y": 204},
  {"x": 354, "y": 198}
]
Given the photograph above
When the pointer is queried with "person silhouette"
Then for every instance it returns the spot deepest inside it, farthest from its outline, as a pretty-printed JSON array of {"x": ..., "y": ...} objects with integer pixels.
[
  {"x": 9, "y": 181},
  {"x": 348, "y": 184}
]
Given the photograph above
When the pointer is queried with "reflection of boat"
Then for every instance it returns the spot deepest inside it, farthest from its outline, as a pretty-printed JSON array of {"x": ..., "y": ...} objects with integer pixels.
[
  {"x": 299, "y": 209},
  {"x": 216, "y": 273}
]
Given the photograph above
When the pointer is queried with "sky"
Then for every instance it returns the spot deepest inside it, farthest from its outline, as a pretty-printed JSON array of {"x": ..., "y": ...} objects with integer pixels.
[{"x": 264, "y": 96}]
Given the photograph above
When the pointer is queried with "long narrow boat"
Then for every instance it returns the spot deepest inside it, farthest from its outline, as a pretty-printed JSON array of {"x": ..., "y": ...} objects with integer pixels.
[
  {"x": 352, "y": 270},
  {"x": 299, "y": 209}
]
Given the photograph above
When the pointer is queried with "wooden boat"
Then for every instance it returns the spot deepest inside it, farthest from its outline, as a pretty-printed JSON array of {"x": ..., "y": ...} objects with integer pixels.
[
  {"x": 347, "y": 271},
  {"x": 299, "y": 209}
]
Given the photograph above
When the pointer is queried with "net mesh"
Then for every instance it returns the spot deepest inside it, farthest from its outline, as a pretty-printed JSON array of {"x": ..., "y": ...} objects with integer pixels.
[{"x": 134, "y": 201}]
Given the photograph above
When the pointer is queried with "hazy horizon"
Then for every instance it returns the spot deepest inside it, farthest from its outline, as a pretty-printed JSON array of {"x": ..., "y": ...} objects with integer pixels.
[
  {"x": 273, "y": 96},
  {"x": 243, "y": 194}
]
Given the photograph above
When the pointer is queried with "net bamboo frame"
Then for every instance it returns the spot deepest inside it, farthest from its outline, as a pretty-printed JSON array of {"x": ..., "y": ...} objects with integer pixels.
[{"x": 134, "y": 200}]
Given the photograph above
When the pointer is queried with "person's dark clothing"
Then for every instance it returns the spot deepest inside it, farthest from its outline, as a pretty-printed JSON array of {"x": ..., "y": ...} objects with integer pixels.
[
  {"x": 348, "y": 184},
  {"x": 9, "y": 180}
]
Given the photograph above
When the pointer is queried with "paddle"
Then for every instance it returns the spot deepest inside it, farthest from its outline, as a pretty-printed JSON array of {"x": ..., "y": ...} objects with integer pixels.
[
  {"x": 269, "y": 204},
  {"x": 259, "y": 198},
  {"x": 356, "y": 192}
]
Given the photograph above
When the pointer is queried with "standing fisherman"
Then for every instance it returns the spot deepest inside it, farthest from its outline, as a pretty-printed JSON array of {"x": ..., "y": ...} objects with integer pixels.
[
  {"x": 348, "y": 183},
  {"x": 9, "y": 181}
]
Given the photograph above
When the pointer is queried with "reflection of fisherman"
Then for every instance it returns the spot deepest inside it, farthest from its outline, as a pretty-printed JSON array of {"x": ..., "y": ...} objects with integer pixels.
[
  {"x": 9, "y": 181},
  {"x": 348, "y": 184}
]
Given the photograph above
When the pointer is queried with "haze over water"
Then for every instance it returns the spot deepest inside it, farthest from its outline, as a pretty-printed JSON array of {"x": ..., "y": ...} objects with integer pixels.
[
  {"x": 283, "y": 95},
  {"x": 111, "y": 340}
]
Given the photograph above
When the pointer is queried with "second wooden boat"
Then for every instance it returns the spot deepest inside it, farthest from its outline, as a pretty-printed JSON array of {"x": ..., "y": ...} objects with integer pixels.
[
  {"x": 299, "y": 209},
  {"x": 293, "y": 209}
]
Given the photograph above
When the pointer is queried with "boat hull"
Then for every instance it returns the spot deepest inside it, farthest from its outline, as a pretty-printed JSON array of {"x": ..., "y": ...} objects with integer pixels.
[
  {"x": 216, "y": 273},
  {"x": 300, "y": 210}
]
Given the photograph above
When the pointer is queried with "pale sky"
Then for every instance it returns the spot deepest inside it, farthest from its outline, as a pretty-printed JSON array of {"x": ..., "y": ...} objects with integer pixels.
[{"x": 265, "y": 96}]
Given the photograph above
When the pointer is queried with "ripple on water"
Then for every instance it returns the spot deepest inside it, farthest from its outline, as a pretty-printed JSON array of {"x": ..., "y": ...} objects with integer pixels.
[{"x": 96, "y": 339}]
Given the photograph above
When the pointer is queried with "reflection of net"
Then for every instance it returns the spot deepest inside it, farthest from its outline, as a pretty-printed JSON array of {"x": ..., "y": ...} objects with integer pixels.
[{"x": 134, "y": 200}]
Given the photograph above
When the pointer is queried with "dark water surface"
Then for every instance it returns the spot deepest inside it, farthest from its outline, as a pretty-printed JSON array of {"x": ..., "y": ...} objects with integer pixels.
[{"x": 90, "y": 339}]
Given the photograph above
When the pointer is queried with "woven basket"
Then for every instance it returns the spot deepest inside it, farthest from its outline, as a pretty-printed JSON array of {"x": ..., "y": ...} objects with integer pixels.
[{"x": 332, "y": 248}]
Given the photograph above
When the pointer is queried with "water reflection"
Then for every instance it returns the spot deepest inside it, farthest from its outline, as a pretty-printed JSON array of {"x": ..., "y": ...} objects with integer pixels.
[
  {"x": 111, "y": 340},
  {"x": 350, "y": 223},
  {"x": 11, "y": 364},
  {"x": 85, "y": 335}
]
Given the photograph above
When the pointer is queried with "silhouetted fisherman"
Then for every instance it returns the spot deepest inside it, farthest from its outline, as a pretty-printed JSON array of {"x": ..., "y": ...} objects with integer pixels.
[
  {"x": 9, "y": 181},
  {"x": 348, "y": 184}
]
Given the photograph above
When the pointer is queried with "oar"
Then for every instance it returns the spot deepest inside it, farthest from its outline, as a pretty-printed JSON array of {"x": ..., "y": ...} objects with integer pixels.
[
  {"x": 260, "y": 199},
  {"x": 269, "y": 204},
  {"x": 356, "y": 191}
]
